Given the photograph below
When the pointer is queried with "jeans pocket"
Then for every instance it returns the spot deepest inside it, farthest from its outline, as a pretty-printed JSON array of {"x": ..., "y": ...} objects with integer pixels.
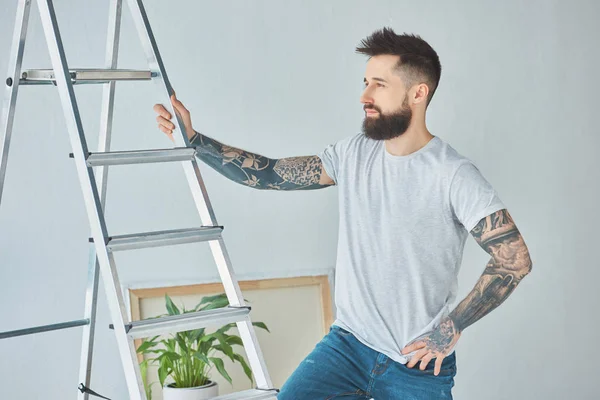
[
  {"x": 445, "y": 371},
  {"x": 450, "y": 371},
  {"x": 448, "y": 368}
]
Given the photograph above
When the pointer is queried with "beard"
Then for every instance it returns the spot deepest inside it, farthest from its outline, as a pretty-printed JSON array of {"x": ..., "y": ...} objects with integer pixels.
[{"x": 384, "y": 127}]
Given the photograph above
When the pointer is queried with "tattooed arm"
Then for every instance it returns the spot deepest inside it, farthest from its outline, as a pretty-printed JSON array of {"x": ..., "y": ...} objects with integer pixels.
[
  {"x": 498, "y": 235},
  {"x": 256, "y": 171},
  {"x": 243, "y": 167}
]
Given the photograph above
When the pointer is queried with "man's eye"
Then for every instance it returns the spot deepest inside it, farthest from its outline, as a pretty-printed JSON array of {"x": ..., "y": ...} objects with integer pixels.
[{"x": 380, "y": 85}]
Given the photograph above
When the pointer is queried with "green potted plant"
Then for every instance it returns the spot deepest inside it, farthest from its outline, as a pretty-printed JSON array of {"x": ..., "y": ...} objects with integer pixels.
[{"x": 189, "y": 357}]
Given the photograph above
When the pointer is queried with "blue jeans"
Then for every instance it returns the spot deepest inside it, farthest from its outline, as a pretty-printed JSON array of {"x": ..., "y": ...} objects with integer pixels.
[{"x": 340, "y": 366}]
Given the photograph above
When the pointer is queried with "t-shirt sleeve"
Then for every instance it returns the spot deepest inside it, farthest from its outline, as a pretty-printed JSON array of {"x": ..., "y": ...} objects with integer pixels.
[
  {"x": 331, "y": 158},
  {"x": 472, "y": 197}
]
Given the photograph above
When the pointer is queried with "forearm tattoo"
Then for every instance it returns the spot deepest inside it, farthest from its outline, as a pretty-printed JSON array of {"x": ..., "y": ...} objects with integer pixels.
[
  {"x": 256, "y": 171},
  {"x": 510, "y": 262}
]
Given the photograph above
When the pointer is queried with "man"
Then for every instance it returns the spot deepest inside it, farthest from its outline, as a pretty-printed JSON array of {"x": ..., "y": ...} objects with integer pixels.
[{"x": 407, "y": 200}]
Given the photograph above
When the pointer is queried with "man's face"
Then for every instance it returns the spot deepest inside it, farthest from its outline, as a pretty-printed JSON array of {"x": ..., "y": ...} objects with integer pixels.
[{"x": 387, "y": 113}]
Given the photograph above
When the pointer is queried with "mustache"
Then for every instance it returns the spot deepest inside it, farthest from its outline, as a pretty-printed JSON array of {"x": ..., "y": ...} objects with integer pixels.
[{"x": 371, "y": 107}]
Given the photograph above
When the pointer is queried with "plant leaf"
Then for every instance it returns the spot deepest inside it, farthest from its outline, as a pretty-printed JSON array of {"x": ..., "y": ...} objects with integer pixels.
[
  {"x": 163, "y": 372},
  {"x": 202, "y": 357},
  {"x": 197, "y": 334},
  {"x": 220, "y": 303},
  {"x": 227, "y": 327},
  {"x": 172, "y": 356},
  {"x": 210, "y": 299},
  {"x": 143, "y": 370},
  {"x": 224, "y": 346},
  {"x": 208, "y": 338},
  {"x": 144, "y": 373},
  {"x": 233, "y": 340},
  {"x": 261, "y": 325},
  {"x": 227, "y": 350},
  {"x": 169, "y": 344},
  {"x": 247, "y": 369},
  {"x": 221, "y": 368},
  {"x": 171, "y": 307},
  {"x": 181, "y": 341},
  {"x": 147, "y": 344},
  {"x": 206, "y": 346}
]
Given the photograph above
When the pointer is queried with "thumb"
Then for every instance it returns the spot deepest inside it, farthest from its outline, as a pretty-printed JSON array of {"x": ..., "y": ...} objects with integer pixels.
[
  {"x": 177, "y": 106},
  {"x": 174, "y": 97}
]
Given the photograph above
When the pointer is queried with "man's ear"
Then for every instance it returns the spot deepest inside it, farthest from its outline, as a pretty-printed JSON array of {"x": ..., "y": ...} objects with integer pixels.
[{"x": 421, "y": 91}]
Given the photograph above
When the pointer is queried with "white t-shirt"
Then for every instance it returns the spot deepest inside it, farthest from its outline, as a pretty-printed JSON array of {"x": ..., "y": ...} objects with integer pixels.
[{"x": 403, "y": 225}]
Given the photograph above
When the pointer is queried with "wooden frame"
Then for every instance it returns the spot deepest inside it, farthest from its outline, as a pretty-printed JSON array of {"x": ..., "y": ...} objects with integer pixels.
[{"x": 136, "y": 295}]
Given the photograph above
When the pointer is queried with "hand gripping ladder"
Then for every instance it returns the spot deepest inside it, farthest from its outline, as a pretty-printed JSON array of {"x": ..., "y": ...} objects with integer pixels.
[{"x": 93, "y": 185}]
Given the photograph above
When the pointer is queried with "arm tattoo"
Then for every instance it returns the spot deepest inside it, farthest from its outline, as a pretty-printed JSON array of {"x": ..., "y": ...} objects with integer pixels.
[
  {"x": 256, "y": 171},
  {"x": 510, "y": 262}
]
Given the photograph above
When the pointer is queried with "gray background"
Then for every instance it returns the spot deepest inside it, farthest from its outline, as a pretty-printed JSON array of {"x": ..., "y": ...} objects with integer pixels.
[{"x": 518, "y": 91}]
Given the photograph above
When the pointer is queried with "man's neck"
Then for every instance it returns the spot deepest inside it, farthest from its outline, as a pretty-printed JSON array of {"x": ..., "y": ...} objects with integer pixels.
[{"x": 415, "y": 137}]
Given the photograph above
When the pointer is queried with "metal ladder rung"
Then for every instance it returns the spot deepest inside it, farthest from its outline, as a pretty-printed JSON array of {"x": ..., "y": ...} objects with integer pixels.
[
  {"x": 84, "y": 76},
  {"x": 252, "y": 394},
  {"x": 185, "y": 322},
  {"x": 44, "y": 328},
  {"x": 139, "y": 156},
  {"x": 163, "y": 238}
]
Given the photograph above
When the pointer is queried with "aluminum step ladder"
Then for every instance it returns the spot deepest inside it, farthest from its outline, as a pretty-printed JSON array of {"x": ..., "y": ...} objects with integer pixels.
[{"x": 93, "y": 184}]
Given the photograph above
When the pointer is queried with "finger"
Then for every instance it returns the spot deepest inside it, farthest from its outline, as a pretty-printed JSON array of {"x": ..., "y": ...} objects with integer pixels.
[
  {"x": 412, "y": 347},
  {"x": 166, "y": 130},
  {"x": 415, "y": 359},
  {"x": 164, "y": 122},
  {"x": 425, "y": 361},
  {"x": 438, "y": 366},
  {"x": 168, "y": 133},
  {"x": 162, "y": 111}
]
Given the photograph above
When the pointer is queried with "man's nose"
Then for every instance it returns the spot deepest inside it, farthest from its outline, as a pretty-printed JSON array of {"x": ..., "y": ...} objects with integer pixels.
[{"x": 365, "y": 98}]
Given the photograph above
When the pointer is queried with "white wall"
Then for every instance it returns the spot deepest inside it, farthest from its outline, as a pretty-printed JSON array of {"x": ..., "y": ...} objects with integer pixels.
[{"x": 518, "y": 90}]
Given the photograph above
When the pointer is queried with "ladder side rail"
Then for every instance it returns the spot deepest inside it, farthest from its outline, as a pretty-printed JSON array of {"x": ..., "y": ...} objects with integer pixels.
[
  {"x": 104, "y": 139},
  {"x": 12, "y": 84},
  {"x": 92, "y": 199}
]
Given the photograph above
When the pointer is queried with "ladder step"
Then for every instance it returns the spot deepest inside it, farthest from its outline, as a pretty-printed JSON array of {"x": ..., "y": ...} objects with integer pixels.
[
  {"x": 84, "y": 76},
  {"x": 186, "y": 322},
  {"x": 45, "y": 328},
  {"x": 253, "y": 394},
  {"x": 140, "y": 156},
  {"x": 163, "y": 238}
]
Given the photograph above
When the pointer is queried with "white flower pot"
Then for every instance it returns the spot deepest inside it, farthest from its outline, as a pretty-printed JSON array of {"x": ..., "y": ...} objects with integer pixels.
[{"x": 208, "y": 391}]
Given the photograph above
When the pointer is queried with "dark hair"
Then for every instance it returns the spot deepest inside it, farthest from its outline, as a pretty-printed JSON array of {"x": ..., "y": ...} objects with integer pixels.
[{"x": 418, "y": 61}]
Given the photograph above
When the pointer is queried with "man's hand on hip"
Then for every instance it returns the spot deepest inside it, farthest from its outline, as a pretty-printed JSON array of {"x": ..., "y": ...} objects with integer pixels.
[{"x": 435, "y": 344}]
